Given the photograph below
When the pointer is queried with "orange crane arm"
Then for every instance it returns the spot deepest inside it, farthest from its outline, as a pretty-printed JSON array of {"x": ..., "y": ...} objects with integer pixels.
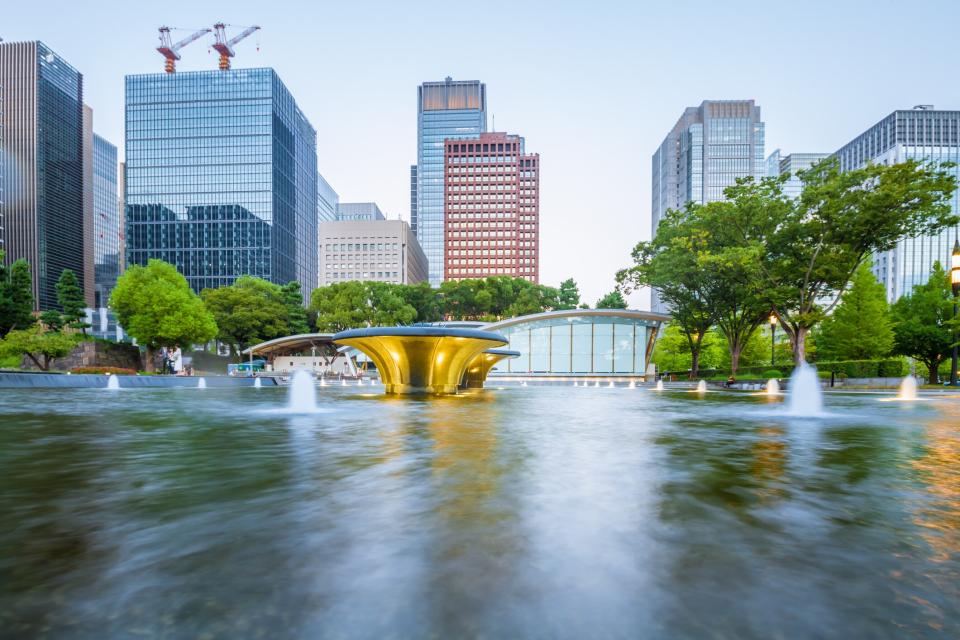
[{"x": 169, "y": 51}]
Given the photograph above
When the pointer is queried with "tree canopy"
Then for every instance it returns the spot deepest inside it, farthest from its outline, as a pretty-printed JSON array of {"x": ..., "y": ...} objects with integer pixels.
[
  {"x": 37, "y": 344},
  {"x": 155, "y": 305},
  {"x": 16, "y": 296},
  {"x": 249, "y": 311},
  {"x": 613, "y": 300},
  {"x": 730, "y": 263},
  {"x": 922, "y": 322},
  {"x": 71, "y": 300},
  {"x": 860, "y": 327}
]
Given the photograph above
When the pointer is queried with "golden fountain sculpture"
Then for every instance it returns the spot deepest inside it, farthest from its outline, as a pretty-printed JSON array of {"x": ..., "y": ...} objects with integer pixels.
[
  {"x": 429, "y": 360},
  {"x": 481, "y": 364}
]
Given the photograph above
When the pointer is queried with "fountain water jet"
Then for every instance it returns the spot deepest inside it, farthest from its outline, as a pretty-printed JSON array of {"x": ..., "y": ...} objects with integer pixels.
[
  {"x": 659, "y": 385},
  {"x": 202, "y": 383},
  {"x": 804, "y": 395},
  {"x": 702, "y": 386},
  {"x": 343, "y": 382},
  {"x": 303, "y": 393},
  {"x": 610, "y": 386},
  {"x": 633, "y": 385},
  {"x": 257, "y": 383},
  {"x": 113, "y": 382},
  {"x": 773, "y": 387},
  {"x": 908, "y": 389}
]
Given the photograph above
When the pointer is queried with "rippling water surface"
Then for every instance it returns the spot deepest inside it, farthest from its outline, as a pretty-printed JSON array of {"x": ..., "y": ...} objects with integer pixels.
[{"x": 537, "y": 512}]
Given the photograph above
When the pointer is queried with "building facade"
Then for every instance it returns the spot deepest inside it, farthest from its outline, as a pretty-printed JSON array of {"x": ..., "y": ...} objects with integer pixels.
[
  {"x": 327, "y": 201},
  {"x": 491, "y": 209},
  {"x": 779, "y": 164},
  {"x": 381, "y": 250},
  {"x": 221, "y": 177},
  {"x": 924, "y": 134},
  {"x": 42, "y": 143},
  {"x": 353, "y": 211},
  {"x": 446, "y": 110},
  {"x": 106, "y": 221},
  {"x": 579, "y": 342},
  {"x": 708, "y": 149}
]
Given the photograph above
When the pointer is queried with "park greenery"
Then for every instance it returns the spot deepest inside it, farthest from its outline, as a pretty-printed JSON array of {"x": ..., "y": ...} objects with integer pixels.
[
  {"x": 353, "y": 304},
  {"x": 155, "y": 305},
  {"x": 16, "y": 296},
  {"x": 726, "y": 266}
]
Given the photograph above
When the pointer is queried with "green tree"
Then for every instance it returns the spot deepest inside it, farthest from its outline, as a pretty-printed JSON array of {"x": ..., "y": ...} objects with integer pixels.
[
  {"x": 860, "y": 327},
  {"x": 249, "y": 311},
  {"x": 155, "y": 305},
  {"x": 297, "y": 320},
  {"x": 38, "y": 345},
  {"x": 737, "y": 292},
  {"x": 613, "y": 300},
  {"x": 16, "y": 296},
  {"x": 809, "y": 248},
  {"x": 52, "y": 319},
  {"x": 355, "y": 304},
  {"x": 424, "y": 299},
  {"x": 568, "y": 295},
  {"x": 670, "y": 263},
  {"x": 672, "y": 350},
  {"x": 71, "y": 301},
  {"x": 922, "y": 322}
]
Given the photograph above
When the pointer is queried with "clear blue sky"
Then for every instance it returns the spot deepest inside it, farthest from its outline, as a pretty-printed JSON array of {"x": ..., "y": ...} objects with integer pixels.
[{"x": 593, "y": 86}]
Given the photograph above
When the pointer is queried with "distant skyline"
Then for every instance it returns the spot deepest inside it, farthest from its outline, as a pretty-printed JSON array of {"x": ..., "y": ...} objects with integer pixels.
[{"x": 593, "y": 88}]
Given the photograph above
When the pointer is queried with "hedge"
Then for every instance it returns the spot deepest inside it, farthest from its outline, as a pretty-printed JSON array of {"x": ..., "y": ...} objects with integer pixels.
[
  {"x": 119, "y": 371},
  {"x": 888, "y": 368}
]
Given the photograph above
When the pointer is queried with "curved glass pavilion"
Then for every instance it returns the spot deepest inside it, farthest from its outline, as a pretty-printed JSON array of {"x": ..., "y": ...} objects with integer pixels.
[{"x": 579, "y": 342}]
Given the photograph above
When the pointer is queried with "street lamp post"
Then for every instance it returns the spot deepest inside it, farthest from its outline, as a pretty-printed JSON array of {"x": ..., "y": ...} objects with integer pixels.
[
  {"x": 955, "y": 284},
  {"x": 773, "y": 337}
]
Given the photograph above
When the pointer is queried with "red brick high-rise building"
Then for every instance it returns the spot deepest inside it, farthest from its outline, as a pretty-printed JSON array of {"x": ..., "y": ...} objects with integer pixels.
[{"x": 491, "y": 208}]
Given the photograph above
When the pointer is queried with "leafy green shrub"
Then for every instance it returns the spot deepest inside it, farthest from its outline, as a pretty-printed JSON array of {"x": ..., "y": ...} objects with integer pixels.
[
  {"x": 119, "y": 371},
  {"x": 772, "y": 373}
]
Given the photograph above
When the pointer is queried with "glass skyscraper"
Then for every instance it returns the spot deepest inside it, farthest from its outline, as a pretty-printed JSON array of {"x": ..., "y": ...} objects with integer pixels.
[
  {"x": 451, "y": 109},
  {"x": 922, "y": 133},
  {"x": 221, "y": 177},
  {"x": 42, "y": 208},
  {"x": 106, "y": 221},
  {"x": 327, "y": 201},
  {"x": 708, "y": 148},
  {"x": 779, "y": 164}
]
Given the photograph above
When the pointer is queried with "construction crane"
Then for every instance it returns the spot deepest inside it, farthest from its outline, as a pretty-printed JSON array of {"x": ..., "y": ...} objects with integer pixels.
[
  {"x": 225, "y": 47},
  {"x": 169, "y": 51}
]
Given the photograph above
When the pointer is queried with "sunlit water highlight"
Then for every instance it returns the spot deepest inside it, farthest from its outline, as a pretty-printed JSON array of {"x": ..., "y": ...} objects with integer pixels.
[{"x": 506, "y": 513}]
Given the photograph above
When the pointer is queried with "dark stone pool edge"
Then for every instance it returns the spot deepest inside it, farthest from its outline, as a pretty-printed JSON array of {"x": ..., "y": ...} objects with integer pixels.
[{"x": 13, "y": 380}]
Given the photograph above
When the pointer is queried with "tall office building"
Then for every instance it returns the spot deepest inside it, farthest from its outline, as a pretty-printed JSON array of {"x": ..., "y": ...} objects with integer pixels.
[
  {"x": 42, "y": 208},
  {"x": 378, "y": 250},
  {"x": 221, "y": 177},
  {"x": 327, "y": 201},
  {"x": 925, "y": 134},
  {"x": 347, "y": 211},
  {"x": 89, "y": 286},
  {"x": 779, "y": 164},
  {"x": 413, "y": 197},
  {"x": 492, "y": 210},
  {"x": 447, "y": 110},
  {"x": 708, "y": 148},
  {"x": 106, "y": 221}
]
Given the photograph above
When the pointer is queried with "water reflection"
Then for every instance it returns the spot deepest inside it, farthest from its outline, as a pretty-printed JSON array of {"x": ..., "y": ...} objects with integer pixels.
[{"x": 510, "y": 513}]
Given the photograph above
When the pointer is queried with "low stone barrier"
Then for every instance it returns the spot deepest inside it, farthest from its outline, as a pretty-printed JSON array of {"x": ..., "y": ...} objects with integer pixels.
[{"x": 14, "y": 380}]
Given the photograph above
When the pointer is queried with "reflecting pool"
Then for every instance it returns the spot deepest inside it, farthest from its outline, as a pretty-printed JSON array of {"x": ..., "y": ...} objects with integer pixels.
[{"x": 537, "y": 512}]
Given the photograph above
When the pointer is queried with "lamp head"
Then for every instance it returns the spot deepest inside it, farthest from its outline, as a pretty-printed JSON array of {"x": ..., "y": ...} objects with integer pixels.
[
  {"x": 773, "y": 319},
  {"x": 955, "y": 265}
]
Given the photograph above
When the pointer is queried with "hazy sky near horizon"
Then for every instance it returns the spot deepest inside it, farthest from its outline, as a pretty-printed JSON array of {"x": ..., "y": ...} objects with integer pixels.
[{"x": 592, "y": 86}]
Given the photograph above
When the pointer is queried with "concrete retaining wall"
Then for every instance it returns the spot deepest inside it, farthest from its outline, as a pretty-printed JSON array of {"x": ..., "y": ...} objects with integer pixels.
[
  {"x": 91, "y": 381},
  {"x": 94, "y": 354}
]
